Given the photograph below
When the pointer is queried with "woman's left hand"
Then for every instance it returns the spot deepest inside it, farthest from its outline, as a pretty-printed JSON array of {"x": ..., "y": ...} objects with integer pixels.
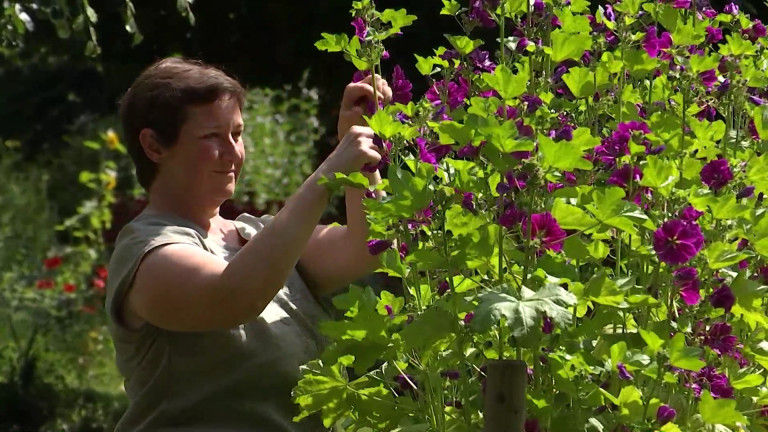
[{"x": 357, "y": 97}]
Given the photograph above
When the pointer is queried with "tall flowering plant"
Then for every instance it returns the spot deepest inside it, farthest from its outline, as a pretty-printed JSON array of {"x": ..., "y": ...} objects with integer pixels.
[{"x": 583, "y": 193}]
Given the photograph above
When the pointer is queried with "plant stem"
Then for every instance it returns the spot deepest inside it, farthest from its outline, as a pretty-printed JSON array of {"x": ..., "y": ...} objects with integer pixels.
[{"x": 501, "y": 340}]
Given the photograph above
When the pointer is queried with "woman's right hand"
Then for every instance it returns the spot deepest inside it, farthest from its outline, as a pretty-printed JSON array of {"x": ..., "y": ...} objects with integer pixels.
[{"x": 355, "y": 150}]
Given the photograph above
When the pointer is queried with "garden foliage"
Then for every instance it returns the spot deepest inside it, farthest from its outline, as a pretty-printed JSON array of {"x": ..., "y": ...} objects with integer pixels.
[{"x": 583, "y": 192}]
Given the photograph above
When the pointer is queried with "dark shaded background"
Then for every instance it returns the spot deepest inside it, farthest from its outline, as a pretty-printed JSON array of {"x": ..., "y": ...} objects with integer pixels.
[{"x": 261, "y": 42}]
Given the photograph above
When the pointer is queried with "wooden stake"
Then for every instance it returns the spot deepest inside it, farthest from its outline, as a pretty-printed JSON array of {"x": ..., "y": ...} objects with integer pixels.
[{"x": 505, "y": 396}]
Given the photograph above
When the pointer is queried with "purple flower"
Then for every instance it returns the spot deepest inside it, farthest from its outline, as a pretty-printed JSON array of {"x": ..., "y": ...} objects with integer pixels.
[
  {"x": 654, "y": 45},
  {"x": 609, "y": 14},
  {"x": 511, "y": 217},
  {"x": 524, "y": 130},
  {"x": 468, "y": 317},
  {"x": 756, "y": 31},
  {"x": 708, "y": 78},
  {"x": 469, "y": 151},
  {"x": 747, "y": 192},
  {"x": 422, "y": 217},
  {"x": 452, "y": 375},
  {"x": 406, "y": 384},
  {"x": 681, "y": 4},
  {"x": 545, "y": 227},
  {"x": 732, "y": 9},
  {"x": 389, "y": 310},
  {"x": 755, "y": 100},
  {"x": 720, "y": 339},
  {"x": 467, "y": 201},
  {"x": 554, "y": 21},
  {"x": 455, "y": 93},
  {"x": 481, "y": 61},
  {"x": 443, "y": 287},
  {"x": 687, "y": 280},
  {"x": 709, "y": 12},
  {"x": 718, "y": 384},
  {"x": 401, "y": 87},
  {"x": 432, "y": 153},
  {"x": 714, "y": 35},
  {"x": 511, "y": 112},
  {"x": 565, "y": 133},
  {"x": 531, "y": 425},
  {"x": 722, "y": 298},
  {"x": 361, "y": 29},
  {"x": 403, "y": 250},
  {"x": 623, "y": 372},
  {"x": 716, "y": 174},
  {"x": 691, "y": 214},
  {"x": 360, "y": 75},
  {"x": 538, "y": 6},
  {"x": 677, "y": 241},
  {"x": 532, "y": 102},
  {"x": 551, "y": 187},
  {"x": 479, "y": 14},
  {"x": 665, "y": 414},
  {"x": 707, "y": 113},
  {"x": 622, "y": 176},
  {"x": 376, "y": 247},
  {"x": 547, "y": 325}
]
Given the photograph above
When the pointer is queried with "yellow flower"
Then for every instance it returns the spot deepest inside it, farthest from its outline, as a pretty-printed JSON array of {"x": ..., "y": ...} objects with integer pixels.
[
  {"x": 112, "y": 139},
  {"x": 111, "y": 182}
]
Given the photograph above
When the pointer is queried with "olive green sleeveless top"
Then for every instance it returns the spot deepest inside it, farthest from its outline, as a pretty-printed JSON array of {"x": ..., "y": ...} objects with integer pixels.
[{"x": 233, "y": 380}]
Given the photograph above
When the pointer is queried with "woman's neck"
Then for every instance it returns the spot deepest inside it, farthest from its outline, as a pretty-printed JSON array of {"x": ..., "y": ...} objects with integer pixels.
[{"x": 184, "y": 205}]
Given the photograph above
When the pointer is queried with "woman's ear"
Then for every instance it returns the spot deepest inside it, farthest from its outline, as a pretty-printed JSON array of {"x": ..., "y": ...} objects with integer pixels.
[{"x": 150, "y": 142}]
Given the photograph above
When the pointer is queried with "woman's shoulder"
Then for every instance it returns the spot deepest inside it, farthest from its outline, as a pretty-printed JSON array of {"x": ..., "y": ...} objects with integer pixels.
[{"x": 148, "y": 228}]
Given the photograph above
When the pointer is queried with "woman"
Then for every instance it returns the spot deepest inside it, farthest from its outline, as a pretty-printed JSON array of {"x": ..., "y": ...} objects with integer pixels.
[{"x": 211, "y": 318}]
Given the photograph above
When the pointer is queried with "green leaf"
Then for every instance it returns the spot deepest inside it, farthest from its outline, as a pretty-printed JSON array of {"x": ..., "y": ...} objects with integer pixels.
[
  {"x": 569, "y": 46},
  {"x": 671, "y": 427},
  {"x": 453, "y": 132},
  {"x": 660, "y": 174},
  {"x": 581, "y": 82},
  {"x": 461, "y": 222},
  {"x": 463, "y": 44},
  {"x": 652, "y": 341},
  {"x": 524, "y": 314},
  {"x": 397, "y": 19},
  {"x": 761, "y": 122},
  {"x": 571, "y": 23},
  {"x": 757, "y": 172},
  {"x": 630, "y": 7},
  {"x": 609, "y": 207},
  {"x": 737, "y": 46},
  {"x": 723, "y": 206},
  {"x": 572, "y": 217},
  {"x": 639, "y": 63},
  {"x": 686, "y": 34},
  {"x": 748, "y": 381},
  {"x": 332, "y": 42},
  {"x": 720, "y": 411},
  {"x": 700, "y": 63},
  {"x": 602, "y": 290},
  {"x": 384, "y": 124},
  {"x": 356, "y": 180},
  {"x": 682, "y": 356},
  {"x": 722, "y": 254},
  {"x": 428, "y": 328},
  {"x": 618, "y": 352},
  {"x": 631, "y": 403},
  {"x": 450, "y": 7},
  {"x": 579, "y": 6},
  {"x": 321, "y": 389},
  {"x": 506, "y": 83},
  {"x": 563, "y": 155}
]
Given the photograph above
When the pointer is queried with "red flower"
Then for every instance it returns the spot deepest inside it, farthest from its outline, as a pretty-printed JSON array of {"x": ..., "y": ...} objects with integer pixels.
[
  {"x": 98, "y": 285},
  {"x": 52, "y": 262},
  {"x": 88, "y": 309},
  {"x": 43, "y": 284},
  {"x": 69, "y": 287},
  {"x": 101, "y": 271}
]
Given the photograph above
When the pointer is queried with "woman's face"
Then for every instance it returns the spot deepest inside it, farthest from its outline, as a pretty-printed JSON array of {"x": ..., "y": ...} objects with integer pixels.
[{"x": 209, "y": 153}]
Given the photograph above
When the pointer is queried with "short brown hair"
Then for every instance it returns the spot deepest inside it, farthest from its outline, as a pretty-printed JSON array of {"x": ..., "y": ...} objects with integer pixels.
[{"x": 159, "y": 98}]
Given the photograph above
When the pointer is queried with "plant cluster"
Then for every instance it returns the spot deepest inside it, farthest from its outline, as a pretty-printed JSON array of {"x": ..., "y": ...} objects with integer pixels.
[{"x": 584, "y": 193}]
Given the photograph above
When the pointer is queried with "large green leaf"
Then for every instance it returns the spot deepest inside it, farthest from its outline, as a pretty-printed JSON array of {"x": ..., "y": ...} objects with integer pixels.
[
  {"x": 506, "y": 83},
  {"x": 572, "y": 217},
  {"x": 563, "y": 155},
  {"x": 523, "y": 314},
  {"x": 609, "y": 207},
  {"x": 463, "y": 44},
  {"x": 660, "y": 174},
  {"x": 569, "y": 45},
  {"x": 682, "y": 356},
  {"x": 720, "y": 411},
  {"x": 581, "y": 82},
  {"x": 722, "y": 254}
]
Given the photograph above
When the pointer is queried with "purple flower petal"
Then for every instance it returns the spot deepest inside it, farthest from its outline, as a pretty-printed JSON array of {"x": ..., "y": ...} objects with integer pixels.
[
  {"x": 375, "y": 247},
  {"x": 716, "y": 174},
  {"x": 722, "y": 298},
  {"x": 665, "y": 414},
  {"x": 677, "y": 241}
]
